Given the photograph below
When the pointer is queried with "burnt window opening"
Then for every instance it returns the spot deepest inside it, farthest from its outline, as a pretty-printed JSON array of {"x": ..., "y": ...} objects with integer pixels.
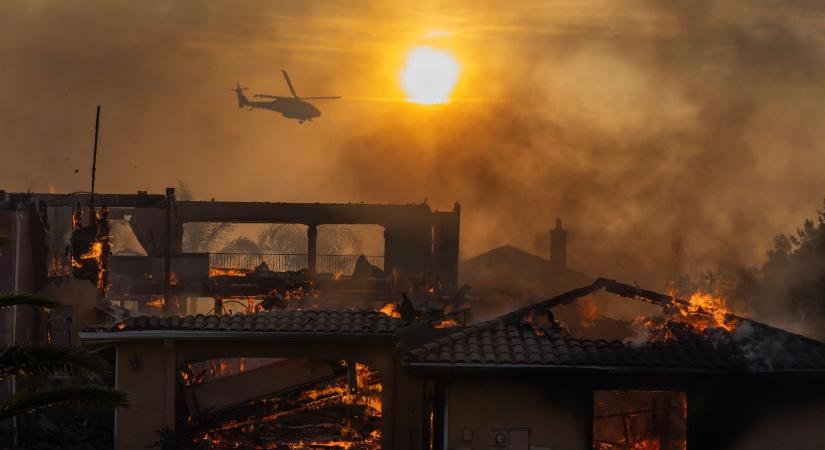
[
  {"x": 281, "y": 403},
  {"x": 639, "y": 420}
]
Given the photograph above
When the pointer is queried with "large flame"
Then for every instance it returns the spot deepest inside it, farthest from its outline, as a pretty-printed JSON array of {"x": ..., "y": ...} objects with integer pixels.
[{"x": 703, "y": 311}]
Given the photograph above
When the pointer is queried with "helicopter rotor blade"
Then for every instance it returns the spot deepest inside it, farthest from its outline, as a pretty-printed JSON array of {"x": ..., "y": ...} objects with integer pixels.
[
  {"x": 319, "y": 98},
  {"x": 269, "y": 96},
  {"x": 289, "y": 83}
]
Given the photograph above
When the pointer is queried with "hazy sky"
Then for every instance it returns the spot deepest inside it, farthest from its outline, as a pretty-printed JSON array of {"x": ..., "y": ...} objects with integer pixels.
[{"x": 669, "y": 138}]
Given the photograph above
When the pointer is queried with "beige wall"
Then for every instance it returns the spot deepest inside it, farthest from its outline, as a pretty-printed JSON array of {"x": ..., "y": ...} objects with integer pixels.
[
  {"x": 557, "y": 417},
  {"x": 81, "y": 296},
  {"x": 151, "y": 390},
  {"x": 797, "y": 428}
]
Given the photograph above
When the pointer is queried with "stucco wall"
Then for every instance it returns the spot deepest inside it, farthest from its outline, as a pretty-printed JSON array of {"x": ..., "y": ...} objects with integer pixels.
[
  {"x": 151, "y": 390},
  {"x": 557, "y": 417},
  {"x": 774, "y": 413},
  {"x": 81, "y": 296},
  {"x": 799, "y": 427}
]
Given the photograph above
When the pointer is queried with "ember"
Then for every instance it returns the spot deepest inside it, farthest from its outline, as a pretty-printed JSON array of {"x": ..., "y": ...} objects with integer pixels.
[
  {"x": 446, "y": 323},
  {"x": 156, "y": 301},
  {"x": 219, "y": 272},
  {"x": 391, "y": 310}
]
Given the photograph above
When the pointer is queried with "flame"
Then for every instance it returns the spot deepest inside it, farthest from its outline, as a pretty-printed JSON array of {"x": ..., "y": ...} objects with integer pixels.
[
  {"x": 121, "y": 325},
  {"x": 390, "y": 310},
  {"x": 220, "y": 272},
  {"x": 95, "y": 252},
  {"x": 703, "y": 311},
  {"x": 173, "y": 278},
  {"x": 233, "y": 433},
  {"x": 588, "y": 311},
  {"x": 156, "y": 301},
  {"x": 446, "y": 323},
  {"x": 647, "y": 444}
]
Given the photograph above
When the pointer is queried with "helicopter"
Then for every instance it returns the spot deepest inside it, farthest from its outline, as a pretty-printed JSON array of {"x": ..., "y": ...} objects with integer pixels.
[{"x": 290, "y": 107}]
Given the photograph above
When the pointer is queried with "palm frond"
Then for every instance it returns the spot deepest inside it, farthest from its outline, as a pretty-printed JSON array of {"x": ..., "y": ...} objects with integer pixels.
[
  {"x": 35, "y": 300},
  {"x": 32, "y": 359},
  {"x": 87, "y": 393}
]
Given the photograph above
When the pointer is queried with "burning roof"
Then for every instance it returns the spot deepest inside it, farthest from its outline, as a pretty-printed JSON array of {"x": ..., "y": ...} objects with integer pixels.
[
  {"x": 698, "y": 337},
  {"x": 691, "y": 336}
]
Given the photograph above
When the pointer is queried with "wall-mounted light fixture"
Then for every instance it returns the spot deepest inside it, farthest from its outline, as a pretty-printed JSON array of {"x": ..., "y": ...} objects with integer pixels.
[{"x": 135, "y": 362}]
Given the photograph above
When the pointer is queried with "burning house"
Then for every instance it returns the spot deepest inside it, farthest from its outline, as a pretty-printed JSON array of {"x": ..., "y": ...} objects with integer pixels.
[
  {"x": 693, "y": 376},
  {"x": 314, "y": 351}
]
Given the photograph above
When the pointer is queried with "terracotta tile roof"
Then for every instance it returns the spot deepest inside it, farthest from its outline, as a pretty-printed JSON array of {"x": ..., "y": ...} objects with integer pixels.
[
  {"x": 358, "y": 321},
  {"x": 509, "y": 341}
]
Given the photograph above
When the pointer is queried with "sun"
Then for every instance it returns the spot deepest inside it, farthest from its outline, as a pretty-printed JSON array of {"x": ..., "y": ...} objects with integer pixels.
[{"x": 429, "y": 76}]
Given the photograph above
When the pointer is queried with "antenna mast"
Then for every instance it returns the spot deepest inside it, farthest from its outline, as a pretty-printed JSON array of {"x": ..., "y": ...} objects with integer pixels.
[{"x": 94, "y": 156}]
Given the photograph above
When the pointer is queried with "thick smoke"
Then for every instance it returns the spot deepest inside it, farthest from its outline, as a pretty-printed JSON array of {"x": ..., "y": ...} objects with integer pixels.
[
  {"x": 671, "y": 137},
  {"x": 676, "y": 142}
]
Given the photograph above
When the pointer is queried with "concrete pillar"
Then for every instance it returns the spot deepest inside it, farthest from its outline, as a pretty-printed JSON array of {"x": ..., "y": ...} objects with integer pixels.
[{"x": 312, "y": 247}]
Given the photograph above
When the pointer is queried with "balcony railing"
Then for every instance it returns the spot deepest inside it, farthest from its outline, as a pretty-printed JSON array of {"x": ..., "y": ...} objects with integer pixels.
[
  {"x": 283, "y": 262},
  {"x": 344, "y": 264}
]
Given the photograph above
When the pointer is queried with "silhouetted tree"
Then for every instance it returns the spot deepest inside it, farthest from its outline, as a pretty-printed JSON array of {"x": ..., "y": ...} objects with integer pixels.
[
  {"x": 201, "y": 236},
  {"x": 30, "y": 359},
  {"x": 792, "y": 279}
]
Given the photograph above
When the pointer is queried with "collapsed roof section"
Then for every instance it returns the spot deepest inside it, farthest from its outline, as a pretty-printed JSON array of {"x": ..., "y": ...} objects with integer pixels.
[{"x": 516, "y": 340}]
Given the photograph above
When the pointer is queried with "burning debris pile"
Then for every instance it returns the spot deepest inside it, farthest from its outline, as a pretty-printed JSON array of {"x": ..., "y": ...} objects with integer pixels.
[
  {"x": 665, "y": 317},
  {"x": 341, "y": 411},
  {"x": 441, "y": 306},
  {"x": 701, "y": 313},
  {"x": 639, "y": 420}
]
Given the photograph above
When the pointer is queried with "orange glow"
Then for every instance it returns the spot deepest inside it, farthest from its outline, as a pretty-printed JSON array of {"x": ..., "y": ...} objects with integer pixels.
[
  {"x": 96, "y": 251},
  {"x": 390, "y": 310},
  {"x": 712, "y": 309},
  {"x": 589, "y": 312},
  {"x": 218, "y": 272},
  {"x": 446, "y": 323},
  {"x": 647, "y": 444},
  {"x": 156, "y": 302}
]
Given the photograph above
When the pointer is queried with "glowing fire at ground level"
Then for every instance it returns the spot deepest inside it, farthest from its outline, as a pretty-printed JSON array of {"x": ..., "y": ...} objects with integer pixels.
[{"x": 337, "y": 413}]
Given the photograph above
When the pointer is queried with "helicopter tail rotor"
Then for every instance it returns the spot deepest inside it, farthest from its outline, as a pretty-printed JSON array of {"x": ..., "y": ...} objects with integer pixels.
[{"x": 242, "y": 100}]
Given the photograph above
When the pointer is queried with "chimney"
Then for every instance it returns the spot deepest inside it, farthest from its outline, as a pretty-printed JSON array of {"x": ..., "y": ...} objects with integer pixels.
[{"x": 558, "y": 247}]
